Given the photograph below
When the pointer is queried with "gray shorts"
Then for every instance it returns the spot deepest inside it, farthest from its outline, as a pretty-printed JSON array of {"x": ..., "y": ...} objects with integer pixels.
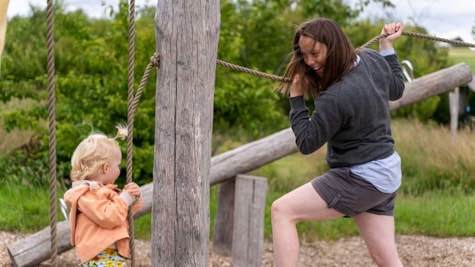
[{"x": 351, "y": 194}]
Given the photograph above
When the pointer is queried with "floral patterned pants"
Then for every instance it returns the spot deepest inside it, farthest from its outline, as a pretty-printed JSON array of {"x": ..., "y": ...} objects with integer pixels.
[{"x": 107, "y": 258}]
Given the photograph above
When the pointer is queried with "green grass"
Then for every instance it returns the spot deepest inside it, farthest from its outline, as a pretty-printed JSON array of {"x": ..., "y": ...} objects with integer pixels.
[
  {"x": 24, "y": 209},
  {"x": 438, "y": 214},
  {"x": 437, "y": 197},
  {"x": 142, "y": 227},
  {"x": 463, "y": 54},
  {"x": 434, "y": 214}
]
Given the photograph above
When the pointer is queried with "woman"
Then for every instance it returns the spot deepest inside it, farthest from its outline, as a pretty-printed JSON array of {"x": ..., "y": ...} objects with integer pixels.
[{"x": 351, "y": 91}]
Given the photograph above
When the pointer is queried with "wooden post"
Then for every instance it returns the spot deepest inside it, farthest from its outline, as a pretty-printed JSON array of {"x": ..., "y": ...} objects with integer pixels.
[
  {"x": 187, "y": 34},
  {"x": 248, "y": 230},
  {"x": 454, "y": 113},
  {"x": 239, "y": 223},
  {"x": 224, "y": 220}
]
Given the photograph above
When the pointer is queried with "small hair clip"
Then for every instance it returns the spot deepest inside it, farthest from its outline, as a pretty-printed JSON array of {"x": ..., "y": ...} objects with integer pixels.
[{"x": 122, "y": 132}]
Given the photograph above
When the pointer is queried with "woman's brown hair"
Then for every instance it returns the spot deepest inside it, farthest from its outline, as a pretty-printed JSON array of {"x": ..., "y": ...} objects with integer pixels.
[{"x": 340, "y": 57}]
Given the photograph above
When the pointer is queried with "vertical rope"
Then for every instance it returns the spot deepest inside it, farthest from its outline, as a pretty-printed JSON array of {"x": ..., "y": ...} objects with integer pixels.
[
  {"x": 52, "y": 130},
  {"x": 130, "y": 119}
]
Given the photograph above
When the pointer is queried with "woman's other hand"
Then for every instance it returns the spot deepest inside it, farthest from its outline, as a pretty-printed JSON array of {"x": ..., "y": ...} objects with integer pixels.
[{"x": 394, "y": 31}]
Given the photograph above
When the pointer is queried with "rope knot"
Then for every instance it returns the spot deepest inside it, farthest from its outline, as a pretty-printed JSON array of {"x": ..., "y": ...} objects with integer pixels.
[{"x": 155, "y": 59}]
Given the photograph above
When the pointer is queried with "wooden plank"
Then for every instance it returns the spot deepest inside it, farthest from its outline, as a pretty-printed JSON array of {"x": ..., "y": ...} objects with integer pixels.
[
  {"x": 248, "y": 231},
  {"x": 224, "y": 220}
]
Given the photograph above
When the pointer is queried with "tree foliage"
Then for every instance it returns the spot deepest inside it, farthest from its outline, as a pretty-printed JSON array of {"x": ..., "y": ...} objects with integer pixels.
[{"x": 91, "y": 60}]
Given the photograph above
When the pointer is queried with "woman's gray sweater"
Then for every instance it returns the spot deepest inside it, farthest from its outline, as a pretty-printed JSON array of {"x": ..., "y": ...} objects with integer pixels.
[{"x": 352, "y": 115}]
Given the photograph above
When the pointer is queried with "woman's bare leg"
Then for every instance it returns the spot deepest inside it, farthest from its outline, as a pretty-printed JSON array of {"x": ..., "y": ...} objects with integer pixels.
[
  {"x": 301, "y": 204},
  {"x": 378, "y": 234}
]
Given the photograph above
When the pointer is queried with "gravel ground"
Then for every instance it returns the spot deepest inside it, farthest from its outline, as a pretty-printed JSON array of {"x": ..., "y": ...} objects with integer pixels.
[{"x": 415, "y": 251}]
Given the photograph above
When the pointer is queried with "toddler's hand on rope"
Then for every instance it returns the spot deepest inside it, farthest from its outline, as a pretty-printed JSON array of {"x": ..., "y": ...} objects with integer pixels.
[
  {"x": 134, "y": 190},
  {"x": 393, "y": 32}
]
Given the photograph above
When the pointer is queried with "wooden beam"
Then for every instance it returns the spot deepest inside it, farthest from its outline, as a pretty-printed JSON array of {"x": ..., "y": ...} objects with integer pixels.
[
  {"x": 34, "y": 249},
  {"x": 187, "y": 35},
  {"x": 433, "y": 84}
]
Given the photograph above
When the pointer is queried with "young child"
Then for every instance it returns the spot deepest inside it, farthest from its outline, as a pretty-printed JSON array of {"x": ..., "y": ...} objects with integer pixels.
[{"x": 99, "y": 209}]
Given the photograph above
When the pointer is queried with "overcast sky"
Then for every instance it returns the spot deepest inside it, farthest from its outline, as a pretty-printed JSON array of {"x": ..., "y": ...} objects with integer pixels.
[{"x": 442, "y": 18}]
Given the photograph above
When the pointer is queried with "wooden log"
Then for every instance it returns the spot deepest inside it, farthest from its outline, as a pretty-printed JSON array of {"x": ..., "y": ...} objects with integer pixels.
[
  {"x": 187, "y": 35},
  {"x": 253, "y": 155},
  {"x": 34, "y": 249},
  {"x": 248, "y": 230},
  {"x": 433, "y": 84}
]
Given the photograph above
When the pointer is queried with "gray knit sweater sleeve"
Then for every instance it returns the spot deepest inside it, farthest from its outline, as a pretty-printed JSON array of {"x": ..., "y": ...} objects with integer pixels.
[{"x": 352, "y": 115}]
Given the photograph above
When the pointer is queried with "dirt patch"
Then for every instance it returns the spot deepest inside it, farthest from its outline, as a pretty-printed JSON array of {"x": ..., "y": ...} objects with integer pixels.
[{"x": 415, "y": 251}]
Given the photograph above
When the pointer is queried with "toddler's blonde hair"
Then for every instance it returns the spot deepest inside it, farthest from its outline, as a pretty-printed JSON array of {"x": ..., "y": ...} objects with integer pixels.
[{"x": 92, "y": 153}]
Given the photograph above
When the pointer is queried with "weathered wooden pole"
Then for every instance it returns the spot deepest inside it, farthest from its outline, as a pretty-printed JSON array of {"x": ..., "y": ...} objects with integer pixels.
[{"x": 187, "y": 34}]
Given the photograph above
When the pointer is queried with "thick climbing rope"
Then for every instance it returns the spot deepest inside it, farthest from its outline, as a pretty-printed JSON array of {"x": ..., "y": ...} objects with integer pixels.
[
  {"x": 421, "y": 36},
  {"x": 130, "y": 123},
  {"x": 367, "y": 44},
  {"x": 52, "y": 132}
]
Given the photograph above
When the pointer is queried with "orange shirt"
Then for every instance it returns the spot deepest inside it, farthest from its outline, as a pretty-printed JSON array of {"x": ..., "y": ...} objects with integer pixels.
[{"x": 98, "y": 218}]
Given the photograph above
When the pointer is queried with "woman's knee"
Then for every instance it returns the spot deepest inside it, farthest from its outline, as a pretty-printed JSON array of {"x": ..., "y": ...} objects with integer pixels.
[{"x": 279, "y": 209}]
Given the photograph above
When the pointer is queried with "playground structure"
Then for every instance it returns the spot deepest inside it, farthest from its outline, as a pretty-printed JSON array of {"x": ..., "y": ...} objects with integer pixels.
[
  {"x": 239, "y": 193},
  {"x": 183, "y": 167}
]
